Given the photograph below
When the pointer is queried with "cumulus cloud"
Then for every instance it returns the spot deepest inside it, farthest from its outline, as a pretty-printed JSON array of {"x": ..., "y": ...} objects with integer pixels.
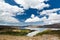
[
  {"x": 53, "y": 16},
  {"x": 37, "y": 4},
  {"x": 10, "y": 10},
  {"x": 7, "y": 11},
  {"x": 48, "y": 12},
  {"x": 8, "y": 19},
  {"x": 34, "y": 19}
]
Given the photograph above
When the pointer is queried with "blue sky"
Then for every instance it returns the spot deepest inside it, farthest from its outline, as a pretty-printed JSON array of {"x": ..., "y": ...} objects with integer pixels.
[
  {"x": 31, "y": 14},
  {"x": 30, "y": 11}
]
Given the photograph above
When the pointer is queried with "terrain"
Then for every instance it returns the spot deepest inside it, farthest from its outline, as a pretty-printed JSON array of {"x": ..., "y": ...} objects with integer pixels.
[
  {"x": 42, "y": 37},
  {"x": 15, "y": 33},
  {"x": 21, "y": 35}
]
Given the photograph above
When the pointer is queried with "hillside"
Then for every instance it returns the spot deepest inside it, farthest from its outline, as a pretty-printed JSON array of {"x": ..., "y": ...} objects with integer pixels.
[
  {"x": 51, "y": 32},
  {"x": 56, "y": 25}
]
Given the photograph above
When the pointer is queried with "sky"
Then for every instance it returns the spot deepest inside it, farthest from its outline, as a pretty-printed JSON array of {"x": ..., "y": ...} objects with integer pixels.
[{"x": 29, "y": 12}]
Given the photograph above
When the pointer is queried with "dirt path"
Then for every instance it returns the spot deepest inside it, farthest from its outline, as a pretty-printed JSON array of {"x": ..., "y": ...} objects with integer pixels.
[{"x": 43, "y": 37}]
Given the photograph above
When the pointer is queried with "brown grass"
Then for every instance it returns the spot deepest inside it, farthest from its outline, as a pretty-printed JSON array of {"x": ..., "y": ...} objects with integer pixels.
[{"x": 42, "y": 37}]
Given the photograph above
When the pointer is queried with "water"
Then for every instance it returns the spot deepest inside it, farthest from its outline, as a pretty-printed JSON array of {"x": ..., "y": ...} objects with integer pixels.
[{"x": 35, "y": 32}]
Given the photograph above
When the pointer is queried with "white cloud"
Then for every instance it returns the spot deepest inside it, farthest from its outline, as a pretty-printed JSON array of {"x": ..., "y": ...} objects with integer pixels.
[
  {"x": 32, "y": 16},
  {"x": 53, "y": 16},
  {"x": 48, "y": 12},
  {"x": 11, "y": 10},
  {"x": 34, "y": 19},
  {"x": 8, "y": 19},
  {"x": 38, "y": 4},
  {"x": 7, "y": 11}
]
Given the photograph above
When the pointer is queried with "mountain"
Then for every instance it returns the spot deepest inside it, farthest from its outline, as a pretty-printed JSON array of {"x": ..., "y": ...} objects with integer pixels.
[
  {"x": 30, "y": 25},
  {"x": 57, "y": 25}
]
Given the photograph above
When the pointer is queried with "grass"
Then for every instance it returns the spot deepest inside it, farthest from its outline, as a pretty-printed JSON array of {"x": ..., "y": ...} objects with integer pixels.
[
  {"x": 14, "y": 33},
  {"x": 57, "y": 32},
  {"x": 23, "y": 32}
]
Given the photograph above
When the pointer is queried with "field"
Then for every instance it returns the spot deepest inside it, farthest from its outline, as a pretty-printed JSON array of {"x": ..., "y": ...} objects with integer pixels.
[
  {"x": 15, "y": 32},
  {"x": 21, "y": 35},
  {"x": 43, "y": 37}
]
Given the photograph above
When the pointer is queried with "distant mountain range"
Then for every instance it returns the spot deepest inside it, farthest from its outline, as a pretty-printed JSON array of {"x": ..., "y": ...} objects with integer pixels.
[
  {"x": 57, "y": 25},
  {"x": 21, "y": 23}
]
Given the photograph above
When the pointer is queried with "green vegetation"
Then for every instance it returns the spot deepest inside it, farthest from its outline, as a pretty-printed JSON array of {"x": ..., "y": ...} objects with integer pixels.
[
  {"x": 17, "y": 32},
  {"x": 57, "y": 32},
  {"x": 14, "y": 33},
  {"x": 24, "y": 32}
]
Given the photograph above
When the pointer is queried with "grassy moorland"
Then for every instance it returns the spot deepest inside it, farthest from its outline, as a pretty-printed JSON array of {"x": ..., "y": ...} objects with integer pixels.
[
  {"x": 51, "y": 32},
  {"x": 24, "y": 32},
  {"x": 8, "y": 34},
  {"x": 43, "y": 37},
  {"x": 15, "y": 32}
]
